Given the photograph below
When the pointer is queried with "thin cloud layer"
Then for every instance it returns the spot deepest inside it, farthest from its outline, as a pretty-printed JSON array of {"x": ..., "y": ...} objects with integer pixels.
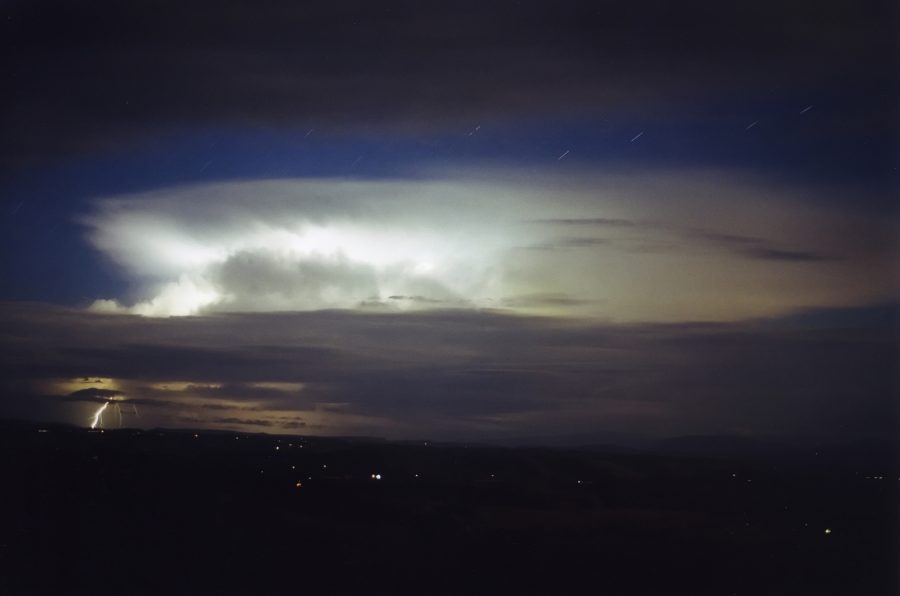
[
  {"x": 106, "y": 74},
  {"x": 457, "y": 374}
]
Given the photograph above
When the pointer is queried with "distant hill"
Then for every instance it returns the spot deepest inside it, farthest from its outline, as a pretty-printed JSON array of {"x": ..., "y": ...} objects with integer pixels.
[{"x": 857, "y": 453}]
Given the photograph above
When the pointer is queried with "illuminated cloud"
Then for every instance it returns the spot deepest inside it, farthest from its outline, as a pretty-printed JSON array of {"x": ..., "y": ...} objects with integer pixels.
[
  {"x": 296, "y": 245},
  {"x": 651, "y": 245}
]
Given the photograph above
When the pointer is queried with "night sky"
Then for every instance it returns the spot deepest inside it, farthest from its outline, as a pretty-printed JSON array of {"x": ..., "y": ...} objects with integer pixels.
[{"x": 483, "y": 221}]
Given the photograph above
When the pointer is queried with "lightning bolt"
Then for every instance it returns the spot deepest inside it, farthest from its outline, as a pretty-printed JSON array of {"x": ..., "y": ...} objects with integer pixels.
[{"x": 98, "y": 414}]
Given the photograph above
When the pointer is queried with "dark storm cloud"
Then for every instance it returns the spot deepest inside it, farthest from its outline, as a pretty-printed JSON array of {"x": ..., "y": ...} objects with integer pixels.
[
  {"x": 201, "y": 364},
  {"x": 415, "y": 299},
  {"x": 160, "y": 402},
  {"x": 223, "y": 396},
  {"x": 542, "y": 299},
  {"x": 471, "y": 373},
  {"x": 92, "y": 394},
  {"x": 590, "y": 221},
  {"x": 755, "y": 248},
  {"x": 99, "y": 74},
  {"x": 764, "y": 253},
  {"x": 568, "y": 242},
  {"x": 652, "y": 238},
  {"x": 243, "y": 421}
]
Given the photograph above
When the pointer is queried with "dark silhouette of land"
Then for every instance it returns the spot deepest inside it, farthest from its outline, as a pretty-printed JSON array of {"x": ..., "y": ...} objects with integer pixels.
[{"x": 179, "y": 512}]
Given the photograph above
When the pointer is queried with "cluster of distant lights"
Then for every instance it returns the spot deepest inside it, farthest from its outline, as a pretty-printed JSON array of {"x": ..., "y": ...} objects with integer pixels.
[{"x": 377, "y": 476}]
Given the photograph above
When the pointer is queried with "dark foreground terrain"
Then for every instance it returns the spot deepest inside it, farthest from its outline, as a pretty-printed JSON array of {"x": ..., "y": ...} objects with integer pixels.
[{"x": 171, "y": 512}]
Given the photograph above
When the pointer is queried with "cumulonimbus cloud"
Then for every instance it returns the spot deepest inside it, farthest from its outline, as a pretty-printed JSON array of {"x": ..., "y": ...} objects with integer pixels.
[{"x": 469, "y": 240}]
